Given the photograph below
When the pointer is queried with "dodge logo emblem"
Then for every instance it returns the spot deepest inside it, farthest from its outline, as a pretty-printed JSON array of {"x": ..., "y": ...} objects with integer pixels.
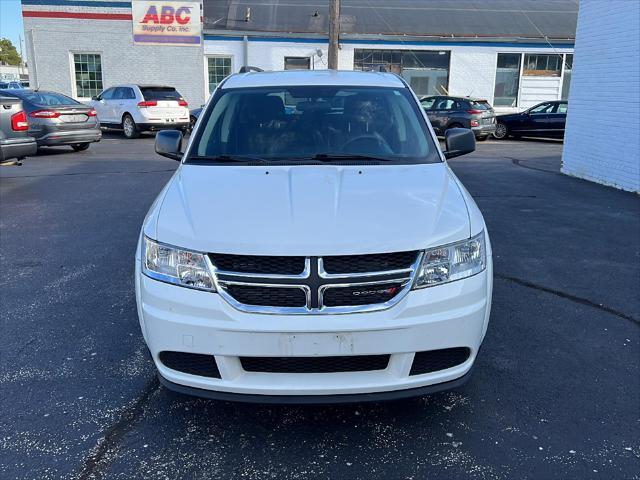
[{"x": 388, "y": 291}]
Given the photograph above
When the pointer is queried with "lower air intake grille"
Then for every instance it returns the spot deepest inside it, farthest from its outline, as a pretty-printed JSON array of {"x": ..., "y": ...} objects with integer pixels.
[
  {"x": 191, "y": 363},
  {"x": 434, "y": 360},
  {"x": 359, "y": 363},
  {"x": 268, "y": 296}
]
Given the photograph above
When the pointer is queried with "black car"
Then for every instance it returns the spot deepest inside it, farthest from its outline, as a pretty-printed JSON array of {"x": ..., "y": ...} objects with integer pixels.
[
  {"x": 460, "y": 112},
  {"x": 55, "y": 119},
  {"x": 194, "y": 114},
  {"x": 547, "y": 119},
  {"x": 15, "y": 143}
]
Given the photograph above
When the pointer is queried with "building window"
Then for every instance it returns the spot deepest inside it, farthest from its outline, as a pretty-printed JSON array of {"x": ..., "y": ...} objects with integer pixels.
[
  {"x": 297, "y": 63},
  {"x": 505, "y": 92},
  {"x": 217, "y": 69},
  {"x": 88, "y": 74},
  {"x": 566, "y": 77},
  {"x": 427, "y": 72},
  {"x": 542, "y": 65}
]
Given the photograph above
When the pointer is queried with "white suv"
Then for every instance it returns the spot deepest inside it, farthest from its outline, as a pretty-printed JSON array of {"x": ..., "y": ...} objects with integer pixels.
[
  {"x": 313, "y": 246},
  {"x": 137, "y": 108}
]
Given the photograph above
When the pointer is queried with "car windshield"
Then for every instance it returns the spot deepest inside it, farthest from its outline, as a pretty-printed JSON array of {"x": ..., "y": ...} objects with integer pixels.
[
  {"x": 160, "y": 93},
  {"x": 46, "y": 99},
  {"x": 328, "y": 123}
]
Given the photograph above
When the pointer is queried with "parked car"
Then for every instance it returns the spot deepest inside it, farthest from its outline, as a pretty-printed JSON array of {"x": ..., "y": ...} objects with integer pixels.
[
  {"x": 194, "y": 114},
  {"x": 547, "y": 119},
  {"x": 15, "y": 142},
  {"x": 313, "y": 250},
  {"x": 10, "y": 85},
  {"x": 460, "y": 112},
  {"x": 56, "y": 120},
  {"x": 139, "y": 108}
]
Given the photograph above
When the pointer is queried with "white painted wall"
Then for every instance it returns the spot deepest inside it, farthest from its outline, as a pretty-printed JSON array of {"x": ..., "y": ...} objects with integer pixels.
[{"x": 602, "y": 141}]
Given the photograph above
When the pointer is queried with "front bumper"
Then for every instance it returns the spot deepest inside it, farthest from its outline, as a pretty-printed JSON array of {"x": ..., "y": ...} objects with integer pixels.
[
  {"x": 17, "y": 148},
  {"x": 340, "y": 399},
  {"x": 53, "y": 138},
  {"x": 178, "y": 319}
]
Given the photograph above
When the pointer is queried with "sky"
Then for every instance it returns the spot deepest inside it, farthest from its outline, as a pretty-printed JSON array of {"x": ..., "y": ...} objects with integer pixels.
[{"x": 11, "y": 21}]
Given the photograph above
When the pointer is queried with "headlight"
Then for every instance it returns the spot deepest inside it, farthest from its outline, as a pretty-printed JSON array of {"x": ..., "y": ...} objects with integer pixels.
[
  {"x": 452, "y": 262},
  {"x": 175, "y": 265}
]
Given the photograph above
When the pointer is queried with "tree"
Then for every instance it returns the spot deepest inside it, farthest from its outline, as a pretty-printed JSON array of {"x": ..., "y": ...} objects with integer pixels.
[{"x": 8, "y": 53}]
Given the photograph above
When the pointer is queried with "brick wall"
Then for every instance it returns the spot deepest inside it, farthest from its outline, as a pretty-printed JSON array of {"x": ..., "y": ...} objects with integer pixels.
[
  {"x": 50, "y": 43},
  {"x": 602, "y": 140}
]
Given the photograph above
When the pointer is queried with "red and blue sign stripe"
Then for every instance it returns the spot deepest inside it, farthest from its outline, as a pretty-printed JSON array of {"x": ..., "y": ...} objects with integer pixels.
[{"x": 77, "y": 9}]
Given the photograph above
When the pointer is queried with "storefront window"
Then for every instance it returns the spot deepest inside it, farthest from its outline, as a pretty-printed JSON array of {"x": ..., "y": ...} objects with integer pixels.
[
  {"x": 297, "y": 63},
  {"x": 542, "y": 65},
  {"x": 88, "y": 74},
  {"x": 218, "y": 68},
  {"x": 566, "y": 80},
  {"x": 505, "y": 92},
  {"x": 427, "y": 72}
]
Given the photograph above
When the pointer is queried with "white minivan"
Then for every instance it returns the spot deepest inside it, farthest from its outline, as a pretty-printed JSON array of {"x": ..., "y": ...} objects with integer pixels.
[
  {"x": 139, "y": 108},
  {"x": 313, "y": 246}
]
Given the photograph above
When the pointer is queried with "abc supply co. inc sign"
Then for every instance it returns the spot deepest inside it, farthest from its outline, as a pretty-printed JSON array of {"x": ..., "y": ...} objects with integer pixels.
[{"x": 166, "y": 23}]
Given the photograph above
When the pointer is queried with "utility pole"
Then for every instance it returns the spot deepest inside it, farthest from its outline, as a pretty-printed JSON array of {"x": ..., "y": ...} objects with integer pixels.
[{"x": 334, "y": 33}]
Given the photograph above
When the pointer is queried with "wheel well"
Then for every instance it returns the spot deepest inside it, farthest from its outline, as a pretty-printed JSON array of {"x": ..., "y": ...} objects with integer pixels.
[{"x": 124, "y": 115}]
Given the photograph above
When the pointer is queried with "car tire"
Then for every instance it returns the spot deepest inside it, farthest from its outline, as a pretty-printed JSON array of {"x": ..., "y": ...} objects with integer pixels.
[
  {"x": 129, "y": 127},
  {"x": 79, "y": 147},
  {"x": 502, "y": 131}
]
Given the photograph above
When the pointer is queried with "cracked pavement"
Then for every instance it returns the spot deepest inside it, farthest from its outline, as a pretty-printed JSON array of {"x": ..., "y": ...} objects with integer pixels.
[{"x": 555, "y": 393}]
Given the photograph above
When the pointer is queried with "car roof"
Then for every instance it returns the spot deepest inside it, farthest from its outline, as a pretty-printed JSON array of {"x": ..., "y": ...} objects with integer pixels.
[
  {"x": 471, "y": 99},
  {"x": 139, "y": 85},
  {"x": 313, "y": 77}
]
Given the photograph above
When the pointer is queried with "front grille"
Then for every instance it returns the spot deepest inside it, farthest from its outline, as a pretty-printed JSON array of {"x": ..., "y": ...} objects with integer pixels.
[
  {"x": 360, "y": 294},
  {"x": 258, "y": 264},
  {"x": 434, "y": 360},
  {"x": 316, "y": 285},
  {"x": 357, "y": 363},
  {"x": 376, "y": 262},
  {"x": 191, "y": 363},
  {"x": 267, "y": 296}
]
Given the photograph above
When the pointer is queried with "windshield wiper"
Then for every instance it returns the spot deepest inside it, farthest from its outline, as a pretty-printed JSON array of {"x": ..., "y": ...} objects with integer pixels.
[
  {"x": 228, "y": 158},
  {"x": 330, "y": 157}
]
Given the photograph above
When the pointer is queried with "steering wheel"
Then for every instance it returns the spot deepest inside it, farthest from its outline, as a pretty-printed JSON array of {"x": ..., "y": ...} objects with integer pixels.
[{"x": 368, "y": 140}]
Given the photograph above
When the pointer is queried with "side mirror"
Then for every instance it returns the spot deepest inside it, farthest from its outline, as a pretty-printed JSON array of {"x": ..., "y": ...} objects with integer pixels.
[
  {"x": 94, "y": 97},
  {"x": 459, "y": 141},
  {"x": 169, "y": 144}
]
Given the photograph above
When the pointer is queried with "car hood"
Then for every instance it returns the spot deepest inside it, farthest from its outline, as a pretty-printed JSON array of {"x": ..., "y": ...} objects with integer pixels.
[{"x": 311, "y": 210}]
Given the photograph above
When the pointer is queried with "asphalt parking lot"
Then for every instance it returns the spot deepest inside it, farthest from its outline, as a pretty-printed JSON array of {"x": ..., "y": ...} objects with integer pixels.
[{"x": 555, "y": 394}]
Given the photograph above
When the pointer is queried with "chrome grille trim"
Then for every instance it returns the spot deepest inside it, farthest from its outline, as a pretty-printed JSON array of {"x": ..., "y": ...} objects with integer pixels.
[
  {"x": 326, "y": 281},
  {"x": 323, "y": 273},
  {"x": 406, "y": 282},
  {"x": 305, "y": 273},
  {"x": 263, "y": 308}
]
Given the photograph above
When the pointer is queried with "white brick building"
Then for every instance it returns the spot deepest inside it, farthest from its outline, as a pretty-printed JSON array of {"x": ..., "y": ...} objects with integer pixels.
[
  {"x": 513, "y": 56},
  {"x": 602, "y": 143}
]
